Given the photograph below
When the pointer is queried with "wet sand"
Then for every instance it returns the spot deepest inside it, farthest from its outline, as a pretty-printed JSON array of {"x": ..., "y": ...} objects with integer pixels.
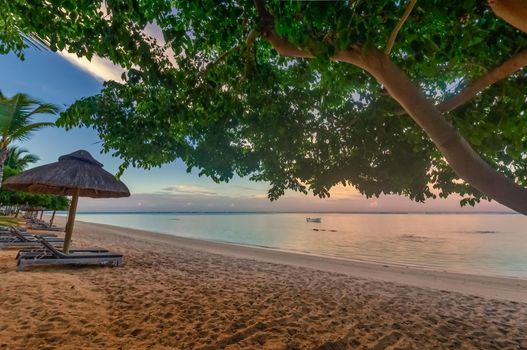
[{"x": 178, "y": 293}]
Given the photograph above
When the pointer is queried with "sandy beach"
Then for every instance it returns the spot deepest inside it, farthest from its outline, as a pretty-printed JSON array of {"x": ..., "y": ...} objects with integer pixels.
[{"x": 178, "y": 293}]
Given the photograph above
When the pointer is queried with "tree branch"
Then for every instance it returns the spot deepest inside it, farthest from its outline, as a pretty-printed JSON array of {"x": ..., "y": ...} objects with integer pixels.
[
  {"x": 267, "y": 29},
  {"x": 504, "y": 70},
  {"x": 249, "y": 52},
  {"x": 395, "y": 31},
  {"x": 285, "y": 48},
  {"x": 354, "y": 55},
  {"x": 248, "y": 45},
  {"x": 513, "y": 12},
  {"x": 219, "y": 59},
  {"x": 458, "y": 153}
]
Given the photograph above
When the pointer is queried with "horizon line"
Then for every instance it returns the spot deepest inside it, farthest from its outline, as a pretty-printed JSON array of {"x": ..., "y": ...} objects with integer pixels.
[{"x": 294, "y": 212}]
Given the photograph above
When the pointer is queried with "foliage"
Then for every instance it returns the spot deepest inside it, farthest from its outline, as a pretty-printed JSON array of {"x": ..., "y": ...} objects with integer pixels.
[
  {"x": 222, "y": 100},
  {"x": 18, "y": 159},
  {"x": 16, "y": 117},
  {"x": 33, "y": 200},
  {"x": 16, "y": 121}
]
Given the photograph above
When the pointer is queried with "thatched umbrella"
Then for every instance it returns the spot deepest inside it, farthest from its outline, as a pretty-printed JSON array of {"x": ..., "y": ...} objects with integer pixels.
[{"x": 78, "y": 175}]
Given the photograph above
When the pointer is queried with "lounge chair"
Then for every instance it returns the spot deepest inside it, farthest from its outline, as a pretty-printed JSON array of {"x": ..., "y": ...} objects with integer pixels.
[
  {"x": 46, "y": 228},
  {"x": 43, "y": 226},
  {"x": 33, "y": 221},
  {"x": 16, "y": 234},
  {"x": 18, "y": 240},
  {"x": 53, "y": 256},
  {"x": 8, "y": 231},
  {"x": 4, "y": 229},
  {"x": 32, "y": 252},
  {"x": 5, "y": 245}
]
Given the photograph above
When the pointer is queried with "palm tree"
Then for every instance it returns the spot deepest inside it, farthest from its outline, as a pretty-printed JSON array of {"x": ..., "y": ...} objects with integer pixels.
[
  {"x": 19, "y": 158},
  {"x": 16, "y": 121}
]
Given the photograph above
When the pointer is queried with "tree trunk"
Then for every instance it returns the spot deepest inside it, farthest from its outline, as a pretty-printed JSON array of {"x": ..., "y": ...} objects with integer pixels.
[
  {"x": 467, "y": 164},
  {"x": 3, "y": 157},
  {"x": 52, "y": 218},
  {"x": 513, "y": 12}
]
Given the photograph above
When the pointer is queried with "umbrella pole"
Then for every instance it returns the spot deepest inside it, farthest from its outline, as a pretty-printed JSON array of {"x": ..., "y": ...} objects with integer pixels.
[
  {"x": 71, "y": 221},
  {"x": 41, "y": 214}
]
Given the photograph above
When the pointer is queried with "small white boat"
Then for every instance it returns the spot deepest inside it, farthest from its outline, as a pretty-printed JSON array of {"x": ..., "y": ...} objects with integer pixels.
[{"x": 313, "y": 219}]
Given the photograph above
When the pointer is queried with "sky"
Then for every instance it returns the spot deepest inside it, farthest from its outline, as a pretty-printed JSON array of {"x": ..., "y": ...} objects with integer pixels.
[{"x": 62, "y": 78}]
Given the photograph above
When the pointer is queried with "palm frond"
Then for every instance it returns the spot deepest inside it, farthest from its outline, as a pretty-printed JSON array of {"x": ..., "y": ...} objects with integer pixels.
[
  {"x": 16, "y": 114},
  {"x": 44, "y": 108},
  {"x": 19, "y": 158},
  {"x": 24, "y": 132}
]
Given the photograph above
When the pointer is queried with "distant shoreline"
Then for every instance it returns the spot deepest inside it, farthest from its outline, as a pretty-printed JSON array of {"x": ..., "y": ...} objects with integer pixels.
[{"x": 299, "y": 212}]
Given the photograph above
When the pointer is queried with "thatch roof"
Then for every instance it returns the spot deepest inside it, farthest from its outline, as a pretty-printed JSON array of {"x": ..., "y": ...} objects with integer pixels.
[{"x": 78, "y": 170}]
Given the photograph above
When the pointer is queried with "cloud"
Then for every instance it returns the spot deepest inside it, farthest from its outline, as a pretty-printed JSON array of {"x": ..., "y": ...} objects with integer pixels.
[
  {"x": 341, "y": 191},
  {"x": 103, "y": 69},
  {"x": 100, "y": 68},
  {"x": 192, "y": 202},
  {"x": 245, "y": 188},
  {"x": 373, "y": 204},
  {"x": 188, "y": 189}
]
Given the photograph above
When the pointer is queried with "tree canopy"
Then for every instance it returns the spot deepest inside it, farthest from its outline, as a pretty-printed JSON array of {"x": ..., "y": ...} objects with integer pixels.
[
  {"x": 33, "y": 200},
  {"x": 388, "y": 96}
]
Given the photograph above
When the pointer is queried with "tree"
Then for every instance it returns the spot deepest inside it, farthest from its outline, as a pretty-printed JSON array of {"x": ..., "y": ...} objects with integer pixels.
[
  {"x": 18, "y": 159},
  {"x": 16, "y": 121},
  {"x": 414, "y": 98},
  {"x": 57, "y": 203}
]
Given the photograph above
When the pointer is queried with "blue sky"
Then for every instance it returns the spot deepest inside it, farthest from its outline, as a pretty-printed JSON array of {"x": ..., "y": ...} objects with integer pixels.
[{"x": 62, "y": 79}]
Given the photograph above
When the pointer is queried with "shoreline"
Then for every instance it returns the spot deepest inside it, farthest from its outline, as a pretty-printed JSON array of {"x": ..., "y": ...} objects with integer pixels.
[
  {"x": 65, "y": 213},
  {"x": 443, "y": 250},
  {"x": 499, "y": 287}
]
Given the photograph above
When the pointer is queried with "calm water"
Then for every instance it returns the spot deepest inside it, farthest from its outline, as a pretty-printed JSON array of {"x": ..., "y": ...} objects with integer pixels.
[{"x": 479, "y": 244}]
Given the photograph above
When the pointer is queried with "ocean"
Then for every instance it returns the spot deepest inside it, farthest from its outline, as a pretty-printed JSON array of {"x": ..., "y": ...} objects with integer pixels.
[{"x": 482, "y": 244}]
